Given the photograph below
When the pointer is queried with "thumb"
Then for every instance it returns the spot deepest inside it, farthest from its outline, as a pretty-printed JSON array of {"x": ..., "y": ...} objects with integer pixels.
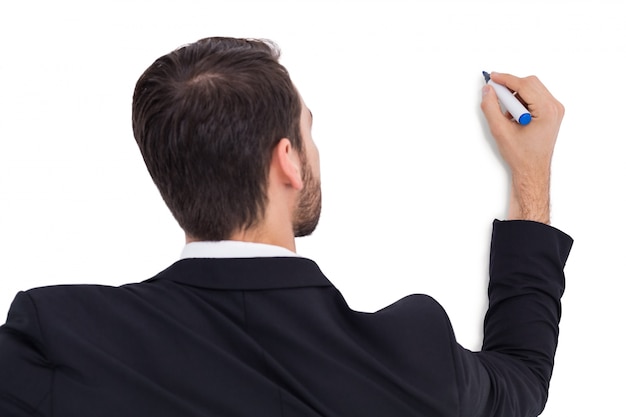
[{"x": 490, "y": 106}]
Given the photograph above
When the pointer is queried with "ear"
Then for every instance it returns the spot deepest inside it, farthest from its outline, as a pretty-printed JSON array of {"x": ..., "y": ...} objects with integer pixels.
[{"x": 286, "y": 164}]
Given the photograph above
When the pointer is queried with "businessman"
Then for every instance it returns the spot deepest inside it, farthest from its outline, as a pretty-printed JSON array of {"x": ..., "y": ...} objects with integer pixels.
[{"x": 243, "y": 326}]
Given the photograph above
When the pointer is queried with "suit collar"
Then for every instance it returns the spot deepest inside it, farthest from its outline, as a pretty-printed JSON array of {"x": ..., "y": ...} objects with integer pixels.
[{"x": 245, "y": 273}]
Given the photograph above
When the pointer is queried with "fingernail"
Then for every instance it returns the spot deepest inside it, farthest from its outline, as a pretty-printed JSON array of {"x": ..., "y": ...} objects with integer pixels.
[{"x": 485, "y": 90}]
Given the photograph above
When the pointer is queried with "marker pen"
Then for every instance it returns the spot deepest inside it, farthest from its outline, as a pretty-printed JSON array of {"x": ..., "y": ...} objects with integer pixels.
[{"x": 509, "y": 101}]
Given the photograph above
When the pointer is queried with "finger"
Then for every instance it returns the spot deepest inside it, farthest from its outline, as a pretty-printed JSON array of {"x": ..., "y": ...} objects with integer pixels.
[
  {"x": 528, "y": 89},
  {"x": 498, "y": 122},
  {"x": 533, "y": 94},
  {"x": 512, "y": 82},
  {"x": 519, "y": 97}
]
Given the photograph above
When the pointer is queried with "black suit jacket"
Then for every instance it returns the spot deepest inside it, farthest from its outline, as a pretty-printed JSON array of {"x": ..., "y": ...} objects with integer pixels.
[{"x": 273, "y": 337}]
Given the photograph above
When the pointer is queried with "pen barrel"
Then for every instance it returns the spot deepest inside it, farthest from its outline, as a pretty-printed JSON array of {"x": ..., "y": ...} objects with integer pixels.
[{"x": 511, "y": 103}]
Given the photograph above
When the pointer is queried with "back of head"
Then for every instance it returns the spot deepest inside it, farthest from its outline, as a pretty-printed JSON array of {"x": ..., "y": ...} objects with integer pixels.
[{"x": 206, "y": 118}]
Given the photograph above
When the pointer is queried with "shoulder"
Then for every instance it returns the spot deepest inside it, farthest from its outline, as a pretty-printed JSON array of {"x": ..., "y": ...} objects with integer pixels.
[
  {"x": 414, "y": 340},
  {"x": 72, "y": 296},
  {"x": 58, "y": 297},
  {"x": 66, "y": 315},
  {"x": 412, "y": 309},
  {"x": 416, "y": 321},
  {"x": 70, "y": 305},
  {"x": 54, "y": 303}
]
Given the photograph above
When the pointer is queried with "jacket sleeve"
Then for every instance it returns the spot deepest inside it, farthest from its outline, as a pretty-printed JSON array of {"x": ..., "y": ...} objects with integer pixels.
[
  {"x": 511, "y": 374},
  {"x": 25, "y": 372}
]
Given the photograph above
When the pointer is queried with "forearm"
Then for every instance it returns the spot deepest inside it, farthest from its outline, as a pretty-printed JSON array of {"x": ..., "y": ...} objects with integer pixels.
[
  {"x": 510, "y": 376},
  {"x": 527, "y": 150},
  {"x": 530, "y": 197},
  {"x": 521, "y": 325}
]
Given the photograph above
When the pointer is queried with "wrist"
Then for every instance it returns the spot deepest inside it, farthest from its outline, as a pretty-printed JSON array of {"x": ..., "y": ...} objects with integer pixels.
[{"x": 530, "y": 198}]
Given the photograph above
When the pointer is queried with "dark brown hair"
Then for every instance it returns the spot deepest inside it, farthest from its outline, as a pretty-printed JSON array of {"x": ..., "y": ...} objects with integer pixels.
[{"x": 206, "y": 118}]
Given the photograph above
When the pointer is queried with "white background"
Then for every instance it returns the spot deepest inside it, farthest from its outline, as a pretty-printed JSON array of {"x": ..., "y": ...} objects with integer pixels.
[{"x": 411, "y": 178}]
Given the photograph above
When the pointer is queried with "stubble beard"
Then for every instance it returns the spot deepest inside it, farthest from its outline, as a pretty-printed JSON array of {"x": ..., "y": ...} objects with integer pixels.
[{"x": 309, "y": 208}]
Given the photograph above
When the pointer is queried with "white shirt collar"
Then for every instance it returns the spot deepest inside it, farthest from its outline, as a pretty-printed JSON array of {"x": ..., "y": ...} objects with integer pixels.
[{"x": 233, "y": 249}]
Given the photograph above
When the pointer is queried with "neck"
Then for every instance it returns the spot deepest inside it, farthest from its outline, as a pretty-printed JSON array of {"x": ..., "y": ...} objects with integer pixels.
[
  {"x": 285, "y": 240},
  {"x": 259, "y": 235}
]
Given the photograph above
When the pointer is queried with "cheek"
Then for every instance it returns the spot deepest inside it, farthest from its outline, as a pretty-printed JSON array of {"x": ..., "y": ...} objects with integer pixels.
[
  {"x": 315, "y": 160},
  {"x": 312, "y": 154}
]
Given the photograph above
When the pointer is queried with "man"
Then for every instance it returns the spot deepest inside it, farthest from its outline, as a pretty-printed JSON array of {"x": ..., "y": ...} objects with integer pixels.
[{"x": 242, "y": 326}]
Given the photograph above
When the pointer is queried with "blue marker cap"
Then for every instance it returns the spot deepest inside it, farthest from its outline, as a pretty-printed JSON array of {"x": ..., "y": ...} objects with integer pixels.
[{"x": 524, "y": 119}]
